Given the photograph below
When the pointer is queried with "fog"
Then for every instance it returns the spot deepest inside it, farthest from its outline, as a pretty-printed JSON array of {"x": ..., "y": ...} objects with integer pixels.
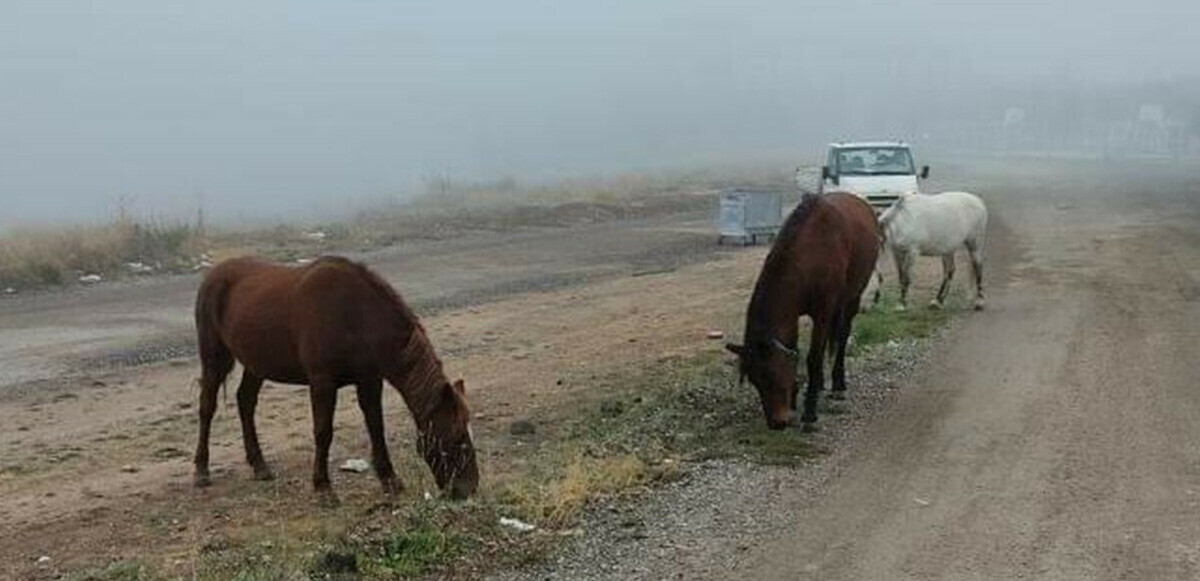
[{"x": 262, "y": 109}]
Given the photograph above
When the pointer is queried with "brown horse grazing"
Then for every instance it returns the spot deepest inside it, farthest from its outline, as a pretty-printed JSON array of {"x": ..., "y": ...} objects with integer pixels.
[
  {"x": 327, "y": 325},
  {"x": 819, "y": 265}
]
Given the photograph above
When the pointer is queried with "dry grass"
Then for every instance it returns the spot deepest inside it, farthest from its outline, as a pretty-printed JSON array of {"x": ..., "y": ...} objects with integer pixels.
[
  {"x": 34, "y": 258},
  {"x": 555, "y": 498}
]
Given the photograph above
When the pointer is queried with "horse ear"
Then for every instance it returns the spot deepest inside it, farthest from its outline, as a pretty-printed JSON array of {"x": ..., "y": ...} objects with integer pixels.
[
  {"x": 460, "y": 387},
  {"x": 736, "y": 349}
]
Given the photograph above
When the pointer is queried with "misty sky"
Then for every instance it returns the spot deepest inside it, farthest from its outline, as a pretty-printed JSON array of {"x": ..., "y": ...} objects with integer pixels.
[{"x": 265, "y": 107}]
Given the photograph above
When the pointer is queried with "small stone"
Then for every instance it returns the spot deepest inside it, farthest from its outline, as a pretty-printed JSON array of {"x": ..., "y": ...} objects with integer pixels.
[
  {"x": 522, "y": 428},
  {"x": 43, "y": 560},
  {"x": 715, "y": 335},
  {"x": 129, "y": 468}
]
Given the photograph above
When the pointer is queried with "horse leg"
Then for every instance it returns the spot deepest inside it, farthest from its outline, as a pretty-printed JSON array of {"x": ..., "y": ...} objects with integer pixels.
[
  {"x": 323, "y": 396},
  {"x": 842, "y": 337},
  {"x": 947, "y": 276},
  {"x": 370, "y": 401},
  {"x": 973, "y": 247},
  {"x": 904, "y": 262},
  {"x": 878, "y": 287},
  {"x": 247, "y": 398},
  {"x": 816, "y": 370},
  {"x": 216, "y": 363}
]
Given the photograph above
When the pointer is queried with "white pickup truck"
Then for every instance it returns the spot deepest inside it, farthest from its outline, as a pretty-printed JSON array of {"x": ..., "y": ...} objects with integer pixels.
[{"x": 877, "y": 171}]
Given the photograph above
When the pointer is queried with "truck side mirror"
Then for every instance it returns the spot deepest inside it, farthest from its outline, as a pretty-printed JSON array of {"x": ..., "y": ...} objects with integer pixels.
[
  {"x": 828, "y": 175},
  {"x": 925, "y": 172}
]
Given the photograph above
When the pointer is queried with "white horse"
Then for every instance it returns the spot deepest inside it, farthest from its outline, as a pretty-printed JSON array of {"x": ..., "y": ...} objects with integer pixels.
[{"x": 935, "y": 225}]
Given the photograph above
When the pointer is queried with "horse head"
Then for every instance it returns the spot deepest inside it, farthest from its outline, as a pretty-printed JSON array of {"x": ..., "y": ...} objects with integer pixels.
[
  {"x": 771, "y": 367},
  {"x": 445, "y": 443}
]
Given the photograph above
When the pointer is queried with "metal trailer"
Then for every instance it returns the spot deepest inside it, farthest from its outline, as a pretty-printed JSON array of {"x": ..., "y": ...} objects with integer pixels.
[{"x": 748, "y": 213}]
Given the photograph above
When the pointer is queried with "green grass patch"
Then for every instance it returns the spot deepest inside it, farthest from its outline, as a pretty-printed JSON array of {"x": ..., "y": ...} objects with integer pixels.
[
  {"x": 412, "y": 552},
  {"x": 884, "y": 323}
]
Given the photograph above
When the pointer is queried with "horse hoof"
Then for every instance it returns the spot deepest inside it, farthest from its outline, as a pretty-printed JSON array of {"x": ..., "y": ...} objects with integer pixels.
[
  {"x": 263, "y": 473},
  {"x": 201, "y": 481},
  {"x": 935, "y": 306},
  {"x": 837, "y": 395},
  {"x": 979, "y": 305},
  {"x": 808, "y": 427}
]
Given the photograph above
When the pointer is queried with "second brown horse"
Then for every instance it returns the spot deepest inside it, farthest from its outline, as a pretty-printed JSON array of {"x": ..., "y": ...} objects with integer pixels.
[
  {"x": 327, "y": 325},
  {"x": 819, "y": 266}
]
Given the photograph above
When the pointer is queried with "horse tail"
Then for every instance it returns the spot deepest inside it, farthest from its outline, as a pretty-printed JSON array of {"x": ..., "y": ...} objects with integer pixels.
[{"x": 215, "y": 358}]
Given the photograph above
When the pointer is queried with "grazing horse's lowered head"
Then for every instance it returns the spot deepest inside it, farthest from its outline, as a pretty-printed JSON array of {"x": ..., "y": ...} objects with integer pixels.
[
  {"x": 771, "y": 368},
  {"x": 444, "y": 441}
]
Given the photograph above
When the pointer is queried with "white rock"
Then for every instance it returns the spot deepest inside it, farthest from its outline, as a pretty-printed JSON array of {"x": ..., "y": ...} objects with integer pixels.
[
  {"x": 10, "y": 291},
  {"x": 90, "y": 278},
  {"x": 519, "y": 525},
  {"x": 139, "y": 268},
  {"x": 304, "y": 261},
  {"x": 356, "y": 465},
  {"x": 716, "y": 335},
  {"x": 43, "y": 560},
  {"x": 318, "y": 235}
]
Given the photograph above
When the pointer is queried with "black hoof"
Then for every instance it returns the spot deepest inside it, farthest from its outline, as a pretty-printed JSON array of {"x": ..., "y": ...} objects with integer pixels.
[
  {"x": 838, "y": 395},
  {"x": 808, "y": 428},
  {"x": 263, "y": 473}
]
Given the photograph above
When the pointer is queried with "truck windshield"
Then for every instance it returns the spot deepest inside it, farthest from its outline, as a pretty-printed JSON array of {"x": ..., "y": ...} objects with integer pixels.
[{"x": 866, "y": 161}]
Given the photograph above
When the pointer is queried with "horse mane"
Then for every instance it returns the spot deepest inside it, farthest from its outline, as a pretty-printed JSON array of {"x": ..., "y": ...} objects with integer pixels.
[
  {"x": 757, "y": 317},
  {"x": 419, "y": 364}
]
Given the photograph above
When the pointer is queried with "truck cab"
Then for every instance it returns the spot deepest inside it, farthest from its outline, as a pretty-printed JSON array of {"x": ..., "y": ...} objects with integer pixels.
[{"x": 877, "y": 171}]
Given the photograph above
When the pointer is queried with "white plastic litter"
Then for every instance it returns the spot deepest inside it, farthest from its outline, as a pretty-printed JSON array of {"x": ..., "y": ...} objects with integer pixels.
[
  {"x": 356, "y": 465},
  {"x": 518, "y": 525}
]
